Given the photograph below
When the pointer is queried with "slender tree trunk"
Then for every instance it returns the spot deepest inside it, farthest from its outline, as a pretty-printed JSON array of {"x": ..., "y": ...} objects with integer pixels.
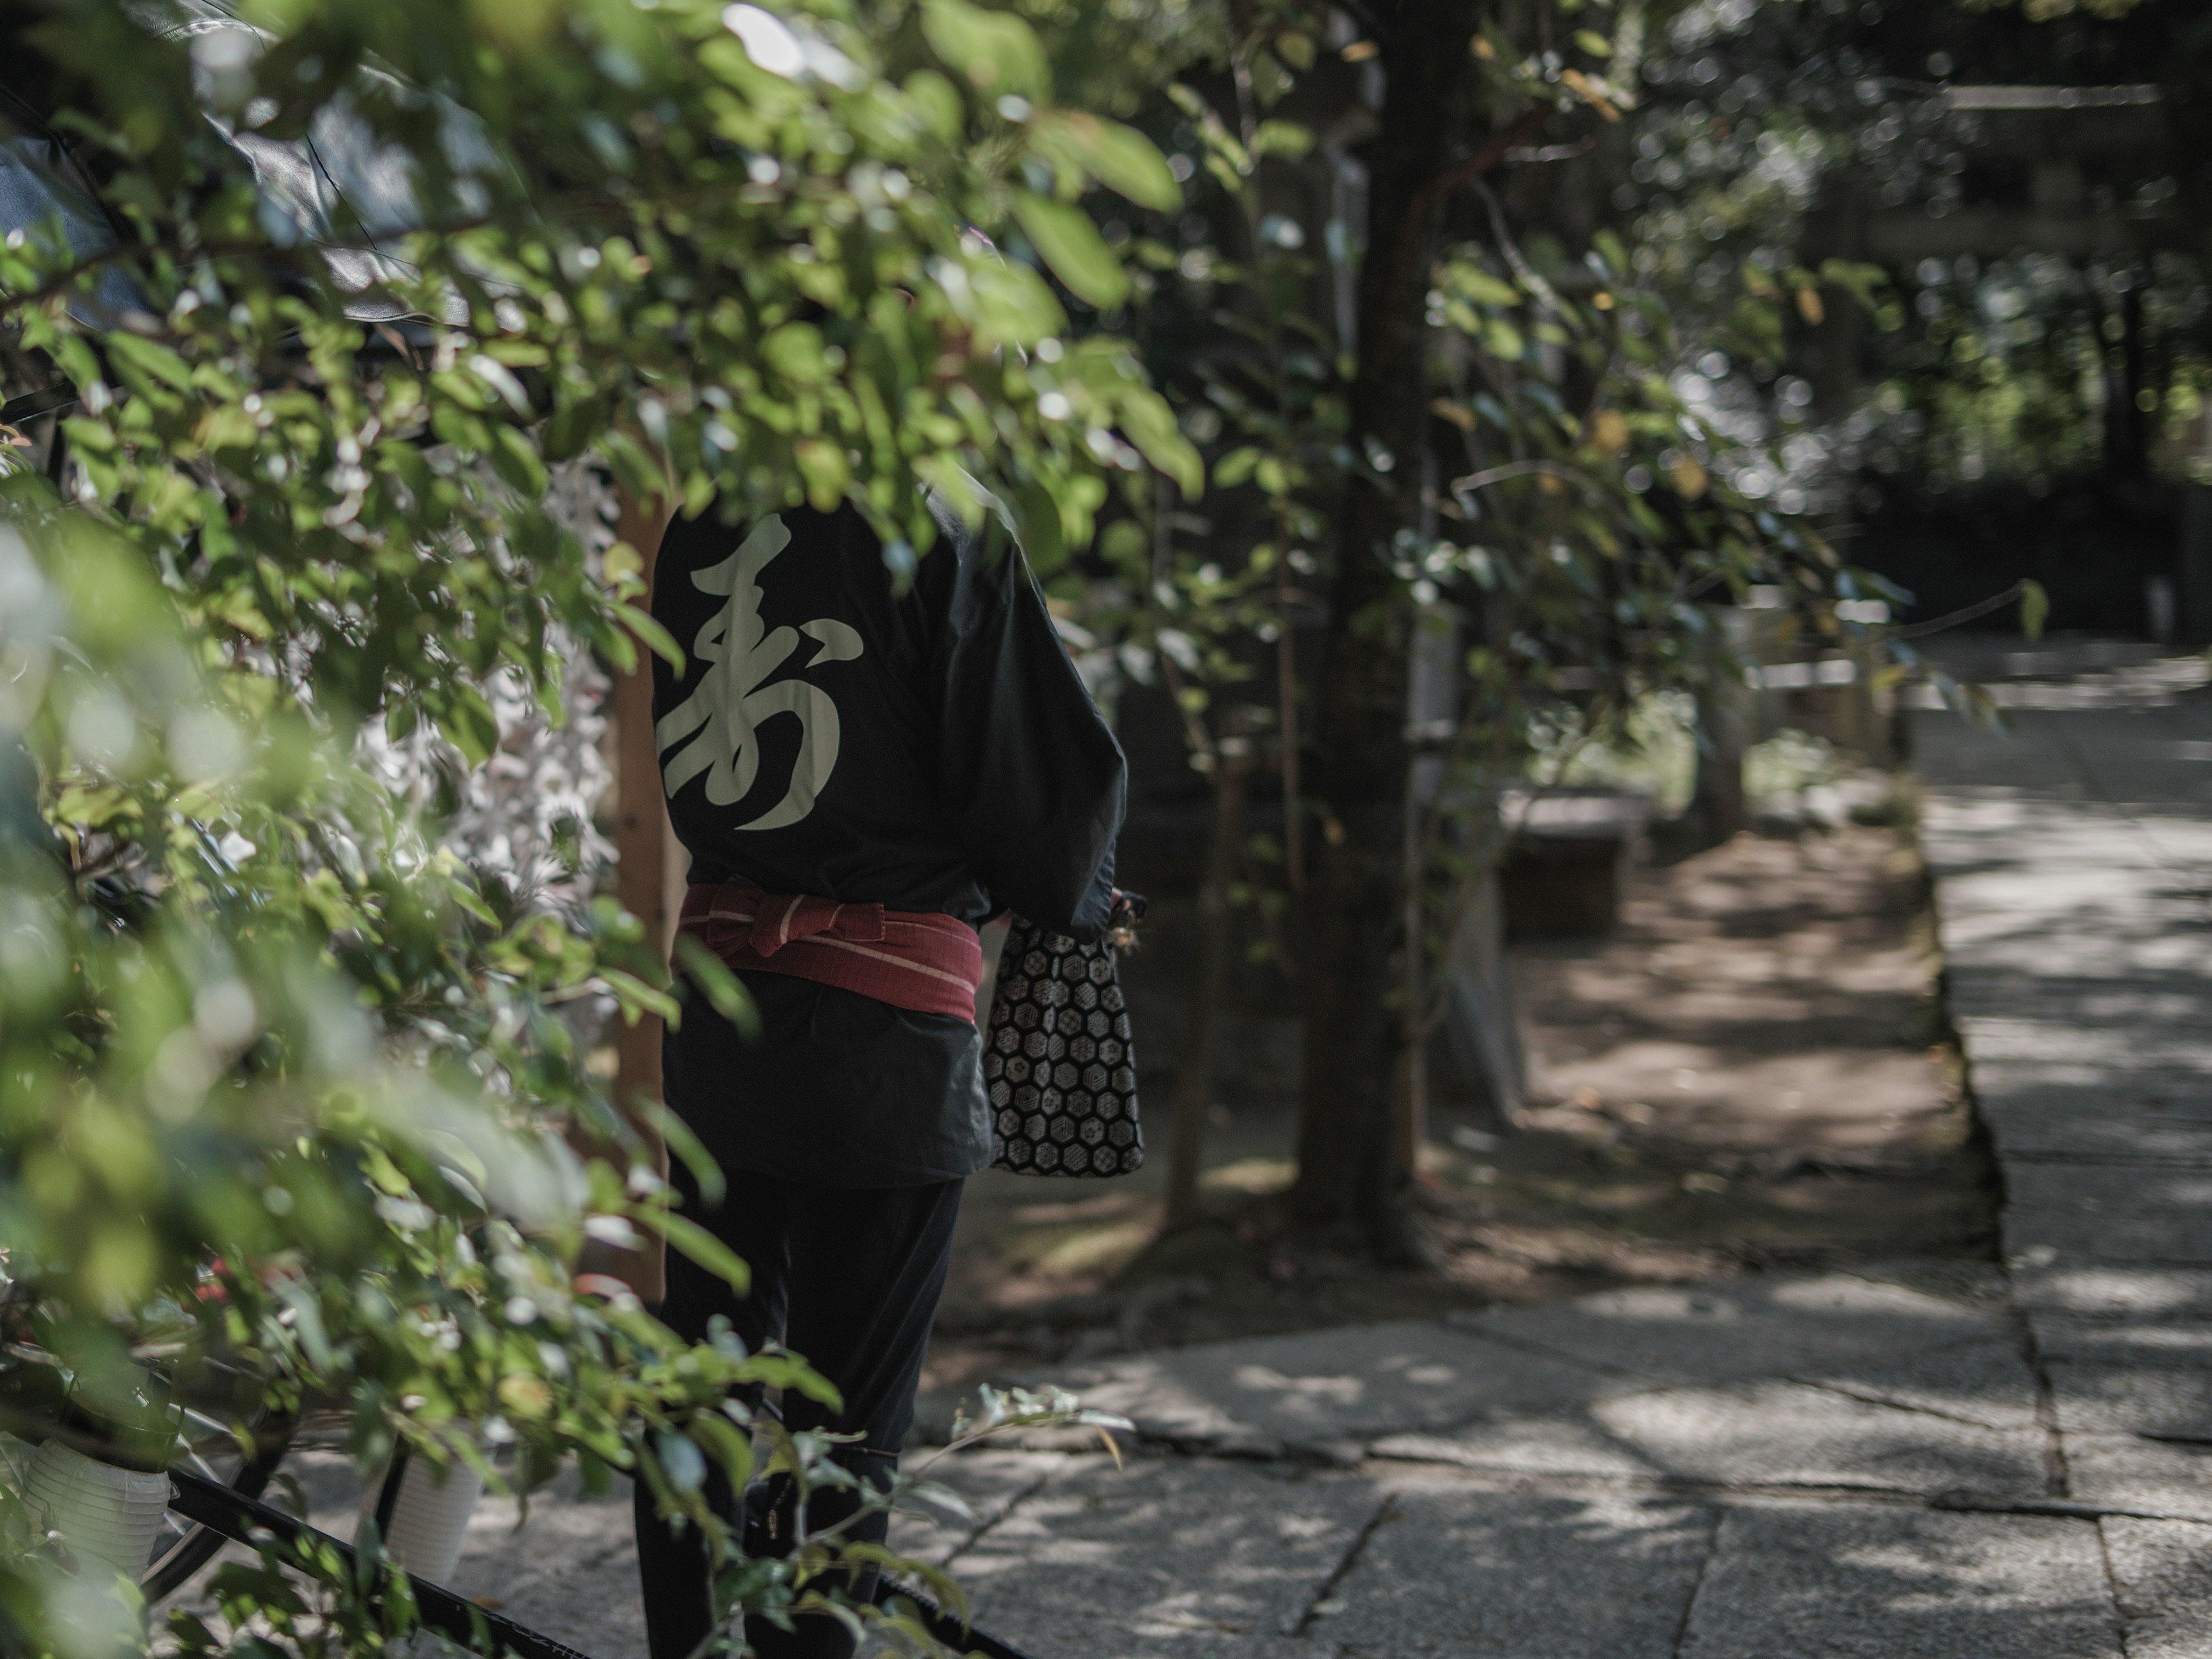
[
  {"x": 2135, "y": 380},
  {"x": 1348, "y": 1168},
  {"x": 1195, "y": 1067}
]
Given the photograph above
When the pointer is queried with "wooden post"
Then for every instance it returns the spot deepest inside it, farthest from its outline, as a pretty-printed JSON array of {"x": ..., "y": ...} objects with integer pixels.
[
  {"x": 1482, "y": 1016},
  {"x": 1434, "y": 668},
  {"x": 641, "y": 814},
  {"x": 642, "y": 867}
]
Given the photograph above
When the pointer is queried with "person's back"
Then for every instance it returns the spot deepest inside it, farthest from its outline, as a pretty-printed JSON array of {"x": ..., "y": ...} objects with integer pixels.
[{"x": 834, "y": 745}]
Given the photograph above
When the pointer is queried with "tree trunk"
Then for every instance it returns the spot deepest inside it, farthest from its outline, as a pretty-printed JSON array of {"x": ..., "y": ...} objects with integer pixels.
[
  {"x": 1348, "y": 1167},
  {"x": 1194, "y": 1067}
]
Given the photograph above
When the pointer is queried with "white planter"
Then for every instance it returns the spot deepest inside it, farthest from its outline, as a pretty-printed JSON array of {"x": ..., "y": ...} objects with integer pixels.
[
  {"x": 430, "y": 1519},
  {"x": 108, "y": 1516}
]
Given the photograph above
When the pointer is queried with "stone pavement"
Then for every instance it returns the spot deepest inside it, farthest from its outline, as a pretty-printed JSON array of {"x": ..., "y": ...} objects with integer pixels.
[{"x": 1910, "y": 1460}]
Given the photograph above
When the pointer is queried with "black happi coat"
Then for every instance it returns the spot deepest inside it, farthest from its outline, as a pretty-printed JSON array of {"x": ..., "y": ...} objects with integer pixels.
[{"x": 929, "y": 751}]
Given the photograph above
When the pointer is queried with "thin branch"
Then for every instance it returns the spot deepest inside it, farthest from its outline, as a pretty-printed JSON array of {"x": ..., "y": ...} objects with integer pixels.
[
  {"x": 1957, "y": 618},
  {"x": 1428, "y": 198},
  {"x": 1535, "y": 285},
  {"x": 1550, "y": 152},
  {"x": 1489, "y": 476}
]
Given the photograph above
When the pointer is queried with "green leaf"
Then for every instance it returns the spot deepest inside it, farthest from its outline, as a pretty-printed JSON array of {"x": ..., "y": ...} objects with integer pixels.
[
  {"x": 2035, "y": 609},
  {"x": 95, "y": 435},
  {"x": 732, "y": 1450},
  {"x": 1014, "y": 304},
  {"x": 516, "y": 460},
  {"x": 1036, "y": 514},
  {"x": 1501, "y": 339},
  {"x": 794, "y": 351},
  {"x": 1484, "y": 288},
  {"x": 685, "y": 1145},
  {"x": 471, "y": 726},
  {"x": 1073, "y": 248},
  {"x": 1151, "y": 425},
  {"x": 824, "y": 466},
  {"x": 938, "y": 101},
  {"x": 158, "y": 361},
  {"x": 997, "y": 53},
  {"x": 635, "y": 998},
  {"x": 1235, "y": 467},
  {"x": 572, "y": 428},
  {"x": 1120, "y": 158},
  {"x": 789, "y": 1370},
  {"x": 657, "y": 640},
  {"x": 723, "y": 990},
  {"x": 694, "y": 1241}
]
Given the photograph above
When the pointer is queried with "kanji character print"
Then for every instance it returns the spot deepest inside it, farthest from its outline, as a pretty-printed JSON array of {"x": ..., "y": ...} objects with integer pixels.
[
  {"x": 1058, "y": 1060},
  {"x": 713, "y": 731}
]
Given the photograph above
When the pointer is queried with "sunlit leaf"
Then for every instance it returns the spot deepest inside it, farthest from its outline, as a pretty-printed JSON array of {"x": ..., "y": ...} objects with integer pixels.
[{"x": 1072, "y": 245}]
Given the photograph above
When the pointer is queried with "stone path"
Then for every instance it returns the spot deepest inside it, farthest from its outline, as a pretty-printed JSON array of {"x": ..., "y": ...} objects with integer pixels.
[{"x": 1912, "y": 1460}]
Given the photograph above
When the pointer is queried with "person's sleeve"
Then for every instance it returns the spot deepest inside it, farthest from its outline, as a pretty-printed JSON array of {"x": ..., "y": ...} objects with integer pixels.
[{"x": 1028, "y": 764}]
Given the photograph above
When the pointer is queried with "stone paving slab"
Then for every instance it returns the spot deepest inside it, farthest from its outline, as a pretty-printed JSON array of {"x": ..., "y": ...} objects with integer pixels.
[
  {"x": 2030, "y": 987},
  {"x": 571, "y": 1571},
  {"x": 1462, "y": 1571},
  {"x": 1882, "y": 1341},
  {"x": 2075, "y": 1213},
  {"x": 1325, "y": 1389},
  {"x": 2135, "y": 1378},
  {"x": 1758, "y": 1435},
  {"x": 2180, "y": 1097},
  {"x": 1785, "y": 1434},
  {"x": 2066, "y": 1123},
  {"x": 1169, "y": 1556},
  {"x": 2116, "y": 1292},
  {"x": 2013, "y": 943},
  {"x": 2106, "y": 919},
  {"x": 2116, "y": 1055},
  {"x": 2146, "y": 1120},
  {"x": 989, "y": 1481},
  {"x": 1527, "y": 1445},
  {"x": 1986, "y": 1381},
  {"x": 2160, "y": 1478},
  {"x": 1847, "y": 1582},
  {"x": 2087, "y": 969},
  {"x": 2162, "y": 1571}
]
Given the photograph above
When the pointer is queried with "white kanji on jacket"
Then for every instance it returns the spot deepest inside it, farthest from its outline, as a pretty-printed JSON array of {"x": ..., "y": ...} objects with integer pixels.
[{"x": 716, "y": 729}]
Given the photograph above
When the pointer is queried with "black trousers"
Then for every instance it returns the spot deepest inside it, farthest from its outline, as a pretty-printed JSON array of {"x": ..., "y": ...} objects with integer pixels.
[{"x": 848, "y": 1279}]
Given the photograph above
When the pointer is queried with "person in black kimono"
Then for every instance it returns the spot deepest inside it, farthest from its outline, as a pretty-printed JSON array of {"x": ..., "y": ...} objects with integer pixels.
[{"x": 930, "y": 750}]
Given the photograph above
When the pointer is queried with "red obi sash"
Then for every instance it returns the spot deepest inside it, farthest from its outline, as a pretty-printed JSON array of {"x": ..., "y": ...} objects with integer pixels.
[{"x": 914, "y": 959}]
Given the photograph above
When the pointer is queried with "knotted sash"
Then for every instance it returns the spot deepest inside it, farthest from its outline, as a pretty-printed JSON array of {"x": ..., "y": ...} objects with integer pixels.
[{"x": 914, "y": 959}]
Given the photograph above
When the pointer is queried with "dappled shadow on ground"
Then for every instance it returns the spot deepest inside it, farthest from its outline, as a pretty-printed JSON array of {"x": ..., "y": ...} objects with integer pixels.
[
  {"x": 1747, "y": 1074},
  {"x": 1836, "y": 1464},
  {"x": 1831, "y": 1465}
]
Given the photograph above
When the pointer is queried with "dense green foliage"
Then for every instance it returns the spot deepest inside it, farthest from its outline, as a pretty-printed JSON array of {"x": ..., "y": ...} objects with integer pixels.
[{"x": 284, "y": 1079}]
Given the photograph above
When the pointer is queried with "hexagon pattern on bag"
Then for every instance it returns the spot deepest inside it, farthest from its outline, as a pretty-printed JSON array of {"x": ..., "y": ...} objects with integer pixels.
[{"x": 1059, "y": 1062}]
